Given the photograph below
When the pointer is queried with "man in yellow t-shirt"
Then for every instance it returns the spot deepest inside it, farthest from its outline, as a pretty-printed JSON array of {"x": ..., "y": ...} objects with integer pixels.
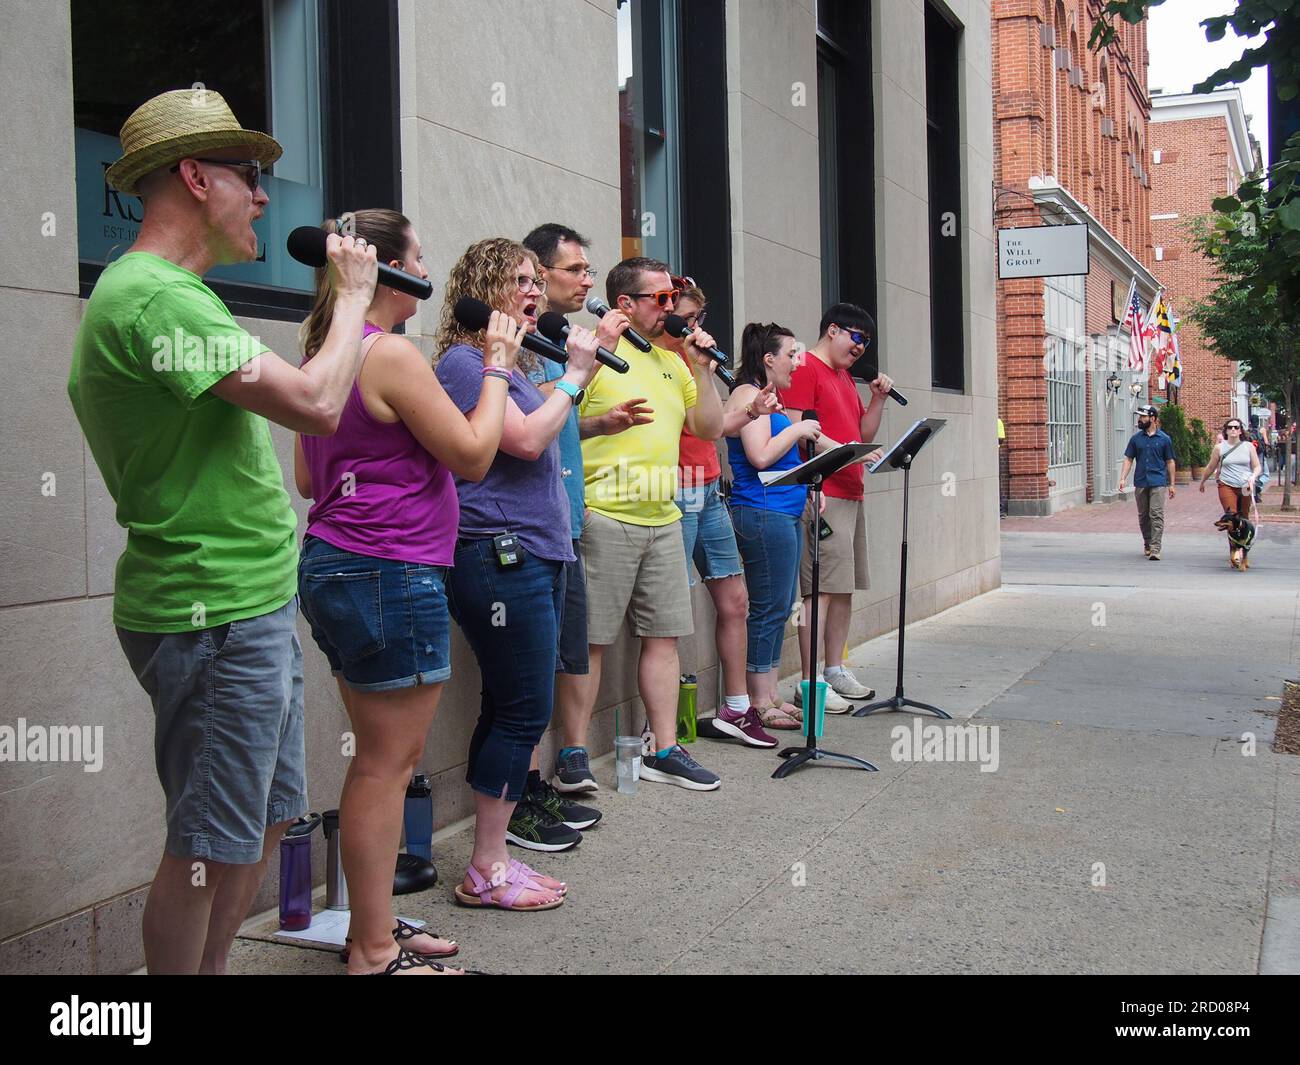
[{"x": 631, "y": 535}]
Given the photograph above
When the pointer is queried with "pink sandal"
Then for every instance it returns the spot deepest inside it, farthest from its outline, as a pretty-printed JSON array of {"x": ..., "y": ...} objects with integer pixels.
[
  {"x": 519, "y": 882},
  {"x": 533, "y": 874}
]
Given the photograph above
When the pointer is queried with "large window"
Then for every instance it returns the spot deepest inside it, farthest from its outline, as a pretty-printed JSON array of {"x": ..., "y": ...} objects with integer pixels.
[
  {"x": 270, "y": 61},
  {"x": 943, "y": 150},
  {"x": 649, "y": 128},
  {"x": 1065, "y": 360},
  {"x": 846, "y": 154},
  {"x": 672, "y": 83}
]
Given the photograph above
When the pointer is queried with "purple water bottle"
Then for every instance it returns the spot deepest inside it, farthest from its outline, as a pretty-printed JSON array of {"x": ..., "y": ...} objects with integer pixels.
[{"x": 295, "y": 874}]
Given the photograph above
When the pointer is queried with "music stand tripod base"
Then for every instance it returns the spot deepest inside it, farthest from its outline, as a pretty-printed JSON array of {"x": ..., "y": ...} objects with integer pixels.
[
  {"x": 797, "y": 756},
  {"x": 900, "y": 457},
  {"x": 811, "y": 473}
]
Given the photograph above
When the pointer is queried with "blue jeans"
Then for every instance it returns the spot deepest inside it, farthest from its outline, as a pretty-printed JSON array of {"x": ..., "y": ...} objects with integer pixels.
[
  {"x": 770, "y": 546},
  {"x": 511, "y": 620}
]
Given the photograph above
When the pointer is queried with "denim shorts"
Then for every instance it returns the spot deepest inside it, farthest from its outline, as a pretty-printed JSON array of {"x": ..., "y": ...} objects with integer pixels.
[
  {"x": 706, "y": 532},
  {"x": 382, "y": 624},
  {"x": 228, "y": 731}
]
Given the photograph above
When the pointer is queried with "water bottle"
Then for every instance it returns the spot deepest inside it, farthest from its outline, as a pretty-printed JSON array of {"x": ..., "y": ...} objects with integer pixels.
[
  {"x": 336, "y": 885},
  {"x": 686, "y": 703},
  {"x": 418, "y": 817},
  {"x": 628, "y": 763},
  {"x": 295, "y": 874}
]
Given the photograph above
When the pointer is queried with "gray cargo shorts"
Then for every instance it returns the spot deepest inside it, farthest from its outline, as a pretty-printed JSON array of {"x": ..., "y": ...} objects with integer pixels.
[{"x": 228, "y": 732}]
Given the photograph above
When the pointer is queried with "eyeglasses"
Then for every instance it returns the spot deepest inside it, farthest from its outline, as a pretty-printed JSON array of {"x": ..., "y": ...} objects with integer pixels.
[
  {"x": 523, "y": 282},
  {"x": 695, "y": 320},
  {"x": 662, "y": 297},
  {"x": 577, "y": 270},
  {"x": 855, "y": 336},
  {"x": 1237, "y": 427},
  {"x": 252, "y": 168}
]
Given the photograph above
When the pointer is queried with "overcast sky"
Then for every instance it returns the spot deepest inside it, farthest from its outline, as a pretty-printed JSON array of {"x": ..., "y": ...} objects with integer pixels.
[{"x": 1181, "y": 56}]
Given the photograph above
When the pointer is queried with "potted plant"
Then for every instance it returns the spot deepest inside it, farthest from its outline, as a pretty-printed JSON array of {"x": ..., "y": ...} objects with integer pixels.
[
  {"x": 1174, "y": 424},
  {"x": 1200, "y": 449}
]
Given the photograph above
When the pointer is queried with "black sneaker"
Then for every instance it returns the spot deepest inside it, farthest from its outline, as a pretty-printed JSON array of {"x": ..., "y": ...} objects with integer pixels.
[
  {"x": 534, "y": 828},
  {"x": 573, "y": 772},
  {"x": 678, "y": 767},
  {"x": 567, "y": 812}
]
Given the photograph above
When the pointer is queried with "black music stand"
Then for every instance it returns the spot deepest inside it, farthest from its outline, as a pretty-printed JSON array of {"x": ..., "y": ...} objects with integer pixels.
[
  {"x": 811, "y": 473},
  {"x": 899, "y": 457}
]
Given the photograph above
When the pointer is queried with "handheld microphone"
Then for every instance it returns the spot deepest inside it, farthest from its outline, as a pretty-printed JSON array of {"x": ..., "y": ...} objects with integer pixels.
[
  {"x": 809, "y": 447},
  {"x": 675, "y": 325},
  {"x": 307, "y": 245},
  {"x": 871, "y": 373},
  {"x": 555, "y": 328},
  {"x": 475, "y": 314},
  {"x": 597, "y": 306}
]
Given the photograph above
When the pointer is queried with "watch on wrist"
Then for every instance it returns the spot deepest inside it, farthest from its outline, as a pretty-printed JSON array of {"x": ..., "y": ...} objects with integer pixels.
[{"x": 574, "y": 393}]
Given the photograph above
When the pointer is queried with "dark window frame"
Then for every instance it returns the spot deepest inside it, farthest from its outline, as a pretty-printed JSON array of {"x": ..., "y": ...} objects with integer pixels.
[
  {"x": 361, "y": 149},
  {"x": 705, "y": 181},
  {"x": 945, "y": 180},
  {"x": 844, "y": 44}
]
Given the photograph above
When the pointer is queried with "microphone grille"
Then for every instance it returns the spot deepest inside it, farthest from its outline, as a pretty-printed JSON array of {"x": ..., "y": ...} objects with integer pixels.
[
  {"x": 471, "y": 313},
  {"x": 597, "y": 306},
  {"x": 552, "y": 325},
  {"x": 307, "y": 245}
]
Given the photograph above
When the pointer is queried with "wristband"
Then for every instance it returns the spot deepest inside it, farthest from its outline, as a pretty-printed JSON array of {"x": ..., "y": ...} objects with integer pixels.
[
  {"x": 574, "y": 393},
  {"x": 497, "y": 371}
]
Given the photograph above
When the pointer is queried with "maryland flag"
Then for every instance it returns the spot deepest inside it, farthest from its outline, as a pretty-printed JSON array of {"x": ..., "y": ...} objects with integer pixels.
[
  {"x": 1160, "y": 329},
  {"x": 1173, "y": 370}
]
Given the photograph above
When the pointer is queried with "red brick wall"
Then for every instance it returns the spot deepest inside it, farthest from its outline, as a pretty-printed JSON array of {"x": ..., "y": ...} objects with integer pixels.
[
  {"x": 1197, "y": 164},
  {"x": 1030, "y": 136}
]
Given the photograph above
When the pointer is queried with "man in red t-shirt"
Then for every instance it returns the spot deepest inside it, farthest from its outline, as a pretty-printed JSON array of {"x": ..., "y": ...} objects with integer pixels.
[{"x": 823, "y": 384}]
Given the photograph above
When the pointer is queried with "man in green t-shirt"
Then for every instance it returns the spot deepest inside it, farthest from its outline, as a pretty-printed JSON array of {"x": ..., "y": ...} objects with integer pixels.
[{"x": 173, "y": 397}]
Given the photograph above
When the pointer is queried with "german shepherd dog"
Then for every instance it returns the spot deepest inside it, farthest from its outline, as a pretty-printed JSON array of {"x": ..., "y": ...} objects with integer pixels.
[{"x": 1241, "y": 535}]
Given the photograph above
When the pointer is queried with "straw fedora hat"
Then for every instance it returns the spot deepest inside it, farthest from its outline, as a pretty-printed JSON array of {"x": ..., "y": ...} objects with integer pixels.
[{"x": 177, "y": 124}]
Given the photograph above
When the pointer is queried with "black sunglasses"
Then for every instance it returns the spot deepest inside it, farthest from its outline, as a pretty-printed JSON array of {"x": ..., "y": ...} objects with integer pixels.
[{"x": 252, "y": 168}]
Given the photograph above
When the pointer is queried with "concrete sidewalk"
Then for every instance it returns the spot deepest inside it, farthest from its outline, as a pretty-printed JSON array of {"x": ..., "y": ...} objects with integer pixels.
[{"x": 1124, "y": 829}]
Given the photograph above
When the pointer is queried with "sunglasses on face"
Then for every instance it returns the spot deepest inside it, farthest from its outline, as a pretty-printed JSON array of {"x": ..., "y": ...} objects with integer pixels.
[
  {"x": 663, "y": 297},
  {"x": 1237, "y": 427},
  {"x": 252, "y": 168},
  {"x": 855, "y": 336}
]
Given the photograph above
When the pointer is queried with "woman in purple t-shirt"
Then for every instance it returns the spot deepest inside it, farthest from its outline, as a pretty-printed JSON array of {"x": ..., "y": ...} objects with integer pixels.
[
  {"x": 371, "y": 580},
  {"x": 506, "y": 590}
]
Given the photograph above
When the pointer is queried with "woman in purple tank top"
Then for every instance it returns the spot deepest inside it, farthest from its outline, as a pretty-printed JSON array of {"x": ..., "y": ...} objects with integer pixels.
[{"x": 381, "y": 533}]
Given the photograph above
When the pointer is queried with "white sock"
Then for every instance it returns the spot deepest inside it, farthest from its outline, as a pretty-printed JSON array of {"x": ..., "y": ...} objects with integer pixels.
[
  {"x": 737, "y": 704},
  {"x": 833, "y": 671}
]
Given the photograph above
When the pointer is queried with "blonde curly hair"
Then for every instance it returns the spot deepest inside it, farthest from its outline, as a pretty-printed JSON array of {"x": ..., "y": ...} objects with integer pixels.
[{"x": 485, "y": 272}]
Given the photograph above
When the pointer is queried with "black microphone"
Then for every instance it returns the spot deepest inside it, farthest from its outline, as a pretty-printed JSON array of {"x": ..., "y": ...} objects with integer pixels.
[
  {"x": 475, "y": 314},
  {"x": 307, "y": 245},
  {"x": 675, "y": 325},
  {"x": 555, "y": 328},
  {"x": 597, "y": 306}
]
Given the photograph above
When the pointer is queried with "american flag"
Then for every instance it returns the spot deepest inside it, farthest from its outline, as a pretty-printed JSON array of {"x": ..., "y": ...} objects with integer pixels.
[{"x": 1133, "y": 322}]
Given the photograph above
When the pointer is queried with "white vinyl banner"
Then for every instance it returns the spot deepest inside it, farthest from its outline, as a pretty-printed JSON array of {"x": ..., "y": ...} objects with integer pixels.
[{"x": 1043, "y": 251}]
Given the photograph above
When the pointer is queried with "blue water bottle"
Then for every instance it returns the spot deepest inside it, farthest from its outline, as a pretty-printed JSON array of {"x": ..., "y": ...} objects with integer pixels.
[{"x": 418, "y": 817}]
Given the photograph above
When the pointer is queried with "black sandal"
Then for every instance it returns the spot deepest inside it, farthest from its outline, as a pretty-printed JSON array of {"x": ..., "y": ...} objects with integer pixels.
[
  {"x": 407, "y": 960},
  {"x": 404, "y": 931}
]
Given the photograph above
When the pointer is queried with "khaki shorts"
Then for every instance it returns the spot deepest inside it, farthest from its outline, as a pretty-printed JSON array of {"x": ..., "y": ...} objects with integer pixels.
[
  {"x": 637, "y": 565},
  {"x": 843, "y": 553}
]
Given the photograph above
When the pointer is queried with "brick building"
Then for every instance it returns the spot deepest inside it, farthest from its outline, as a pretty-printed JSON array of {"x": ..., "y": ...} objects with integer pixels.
[
  {"x": 1070, "y": 147},
  {"x": 1201, "y": 148}
]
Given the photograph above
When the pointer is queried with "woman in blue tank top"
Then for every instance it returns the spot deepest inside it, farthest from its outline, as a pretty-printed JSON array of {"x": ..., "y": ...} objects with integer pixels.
[{"x": 766, "y": 520}]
